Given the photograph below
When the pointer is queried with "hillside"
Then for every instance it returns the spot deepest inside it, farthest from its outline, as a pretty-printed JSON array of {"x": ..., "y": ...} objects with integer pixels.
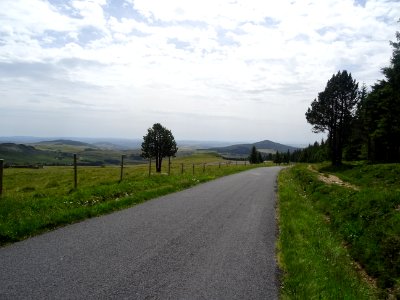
[
  {"x": 265, "y": 146},
  {"x": 60, "y": 152},
  {"x": 64, "y": 145},
  {"x": 359, "y": 205},
  {"x": 20, "y": 154},
  {"x": 65, "y": 142}
]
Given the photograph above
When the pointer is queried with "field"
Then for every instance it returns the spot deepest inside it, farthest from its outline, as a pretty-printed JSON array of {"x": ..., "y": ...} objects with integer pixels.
[
  {"x": 340, "y": 241},
  {"x": 36, "y": 200}
]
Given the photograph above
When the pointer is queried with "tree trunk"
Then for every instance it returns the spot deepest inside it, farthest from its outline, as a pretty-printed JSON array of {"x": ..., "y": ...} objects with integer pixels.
[{"x": 158, "y": 164}]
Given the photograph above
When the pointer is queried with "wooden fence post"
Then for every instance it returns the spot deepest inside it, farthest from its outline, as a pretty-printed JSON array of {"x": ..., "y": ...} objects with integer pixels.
[
  {"x": 1, "y": 176},
  {"x": 219, "y": 165},
  {"x": 182, "y": 168},
  {"x": 75, "y": 173},
  {"x": 122, "y": 167},
  {"x": 169, "y": 165},
  {"x": 204, "y": 167},
  {"x": 193, "y": 169}
]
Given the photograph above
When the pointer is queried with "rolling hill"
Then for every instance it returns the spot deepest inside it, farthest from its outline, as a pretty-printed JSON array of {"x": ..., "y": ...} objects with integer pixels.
[
  {"x": 60, "y": 152},
  {"x": 265, "y": 146},
  {"x": 65, "y": 142},
  {"x": 20, "y": 154}
]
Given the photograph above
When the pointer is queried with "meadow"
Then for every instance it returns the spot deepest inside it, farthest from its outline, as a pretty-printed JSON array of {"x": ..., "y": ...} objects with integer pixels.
[
  {"x": 340, "y": 242},
  {"x": 37, "y": 200}
]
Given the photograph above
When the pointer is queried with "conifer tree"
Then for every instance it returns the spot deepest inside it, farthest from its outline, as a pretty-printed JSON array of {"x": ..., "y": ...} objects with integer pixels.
[
  {"x": 333, "y": 111},
  {"x": 381, "y": 112}
]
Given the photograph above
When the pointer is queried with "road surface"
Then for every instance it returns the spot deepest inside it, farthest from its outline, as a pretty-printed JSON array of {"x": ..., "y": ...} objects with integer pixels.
[{"x": 213, "y": 241}]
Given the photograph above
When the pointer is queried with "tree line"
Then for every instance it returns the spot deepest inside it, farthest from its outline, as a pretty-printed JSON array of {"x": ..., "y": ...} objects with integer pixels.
[{"x": 361, "y": 124}]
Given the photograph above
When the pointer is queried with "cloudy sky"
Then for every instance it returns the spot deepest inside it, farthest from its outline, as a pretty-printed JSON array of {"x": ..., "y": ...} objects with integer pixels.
[{"x": 242, "y": 70}]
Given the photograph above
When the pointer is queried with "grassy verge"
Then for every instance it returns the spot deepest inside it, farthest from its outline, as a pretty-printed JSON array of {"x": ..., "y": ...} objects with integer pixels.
[
  {"x": 39, "y": 200},
  {"x": 314, "y": 261},
  {"x": 369, "y": 219}
]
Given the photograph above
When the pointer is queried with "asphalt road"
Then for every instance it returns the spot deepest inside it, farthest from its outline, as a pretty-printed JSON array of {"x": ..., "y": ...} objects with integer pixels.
[{"x": 213, "y": 241}]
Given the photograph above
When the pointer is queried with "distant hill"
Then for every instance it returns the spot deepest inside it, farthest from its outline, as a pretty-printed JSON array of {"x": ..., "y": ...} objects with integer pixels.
[
  {"x": 274, "y": 146},
  {"x": 63, "y": 145},
  {"x": 244, "y": 149},
  {"x": 65, "y": 142},
  {"x": 117, "y": 143},
  {"x": 60, "y": 152},
  {"x": 17, "y": 148},
  {"x": 21, "y": 154},
  {"x": 105, "y": 143}
]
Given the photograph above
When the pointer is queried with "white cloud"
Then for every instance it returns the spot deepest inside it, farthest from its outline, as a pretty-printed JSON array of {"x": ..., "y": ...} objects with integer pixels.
[{"x": 215, "y": 69}]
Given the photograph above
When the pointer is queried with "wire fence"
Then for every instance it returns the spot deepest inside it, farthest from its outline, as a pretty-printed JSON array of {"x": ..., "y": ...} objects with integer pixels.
[{"x": 169, "y": 168}]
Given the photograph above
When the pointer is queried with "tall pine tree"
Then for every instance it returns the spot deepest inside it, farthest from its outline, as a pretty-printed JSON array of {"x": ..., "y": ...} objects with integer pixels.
[{"x": 333, "y": 111}]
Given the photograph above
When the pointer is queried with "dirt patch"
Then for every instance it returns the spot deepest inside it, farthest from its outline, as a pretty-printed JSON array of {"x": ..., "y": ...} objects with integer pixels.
[
  {"x": 332, "y": 179},
  {"x": 361, "y": 271}
]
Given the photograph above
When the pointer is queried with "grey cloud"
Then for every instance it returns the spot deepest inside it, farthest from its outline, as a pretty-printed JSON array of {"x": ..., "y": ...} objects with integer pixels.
[
  {"x": 302, "y": 37},
  {"x": 192, "y": 115},
  {"x": 271, "y": 22},
  {"x": 179, "y": 44},
  {"x": 44, "y": 70},
  {"x": 26, "y": 69},
  {"x": 224, "y": 39},
  {"x": 258, "y": 91},
  {"x": 78, "y": 62},
  {"x": 89, "y": 34}
]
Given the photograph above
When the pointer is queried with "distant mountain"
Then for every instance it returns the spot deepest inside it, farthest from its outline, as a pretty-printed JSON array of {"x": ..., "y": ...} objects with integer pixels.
[
  {"x": 65, "y": 142},
  {"x": 244, "y": 149},
  {"x": 274, "y": 146}
]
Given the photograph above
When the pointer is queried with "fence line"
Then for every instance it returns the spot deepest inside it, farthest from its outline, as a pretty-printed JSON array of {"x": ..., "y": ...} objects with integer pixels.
[{"x": 170, "y": 165}]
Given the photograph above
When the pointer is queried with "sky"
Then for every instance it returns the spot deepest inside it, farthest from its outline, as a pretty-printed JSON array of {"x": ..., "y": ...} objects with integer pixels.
[{"x": 222, "y": 70}]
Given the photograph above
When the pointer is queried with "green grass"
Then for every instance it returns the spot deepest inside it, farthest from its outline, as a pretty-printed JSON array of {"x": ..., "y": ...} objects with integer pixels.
[
  {"x": 37, "y": 200},
  {"x": 364, "y": 225},
  {"x": 380, "y": 176},
  {"x": 315, "y": 264}
]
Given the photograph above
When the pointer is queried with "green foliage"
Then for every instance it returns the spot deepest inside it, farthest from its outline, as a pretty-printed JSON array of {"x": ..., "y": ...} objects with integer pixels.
[
  {"x": 255, "y": 156},
  {"x": 158, "y": 143},
  {"x": 315, "y": 264},
  {"x": 333, "y": 111},
  {"x": 368, "y": 219},
  {"x": 381, "y": 112},
  {"x": 311, "y": 154},
  {"x": 277, "y": 158},
  {"x": 361, "y": 125}
]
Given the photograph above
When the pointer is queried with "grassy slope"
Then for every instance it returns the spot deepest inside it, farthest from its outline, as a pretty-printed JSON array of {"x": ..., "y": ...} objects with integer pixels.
[
  {"x": 323, "y": 226},
  {"x": 38, "y": 200},
  {"x": 315, "y": 264},
  {"x": 369, "y": 219}
]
